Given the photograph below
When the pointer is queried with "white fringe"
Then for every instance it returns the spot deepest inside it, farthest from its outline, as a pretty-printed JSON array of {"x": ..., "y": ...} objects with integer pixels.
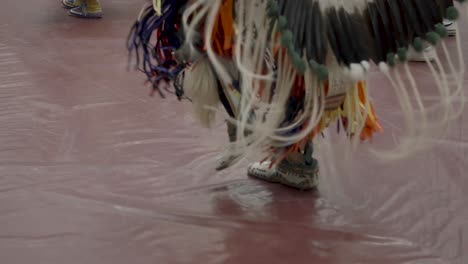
[
  {"x": 201, "y": 87},
  {"x": 425, "y": 124},
  {"x": 423, "y": 121}
]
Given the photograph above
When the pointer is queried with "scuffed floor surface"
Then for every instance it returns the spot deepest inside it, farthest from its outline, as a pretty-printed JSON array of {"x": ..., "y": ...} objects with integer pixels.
[{"x": 93, "y": 170}]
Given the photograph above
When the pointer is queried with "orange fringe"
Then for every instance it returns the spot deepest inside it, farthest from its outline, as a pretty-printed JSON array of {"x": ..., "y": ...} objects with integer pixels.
[
  {"x": 223, "y": 34},
  {"x": 223, "y": 31},
  {"x": 372, "y": 123}
]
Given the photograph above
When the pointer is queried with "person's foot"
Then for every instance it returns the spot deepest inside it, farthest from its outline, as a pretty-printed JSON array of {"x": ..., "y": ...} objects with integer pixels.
[
  {"x": 88, "y": 9},
  {"x": 451, "y": 27},
  {"x": 302, "y": 177},
  {"x": 227, "y": 159},
  {"x": 429, "y": 53},
  {"x": 69, "y": 4}
]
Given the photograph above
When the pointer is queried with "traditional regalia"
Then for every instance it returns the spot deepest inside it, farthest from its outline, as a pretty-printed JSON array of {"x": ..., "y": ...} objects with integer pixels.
[{"x": 285, "y": 70}]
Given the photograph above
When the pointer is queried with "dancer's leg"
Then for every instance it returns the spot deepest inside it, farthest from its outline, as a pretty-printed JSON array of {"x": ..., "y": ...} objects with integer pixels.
[{"x": 228, "y": 157}]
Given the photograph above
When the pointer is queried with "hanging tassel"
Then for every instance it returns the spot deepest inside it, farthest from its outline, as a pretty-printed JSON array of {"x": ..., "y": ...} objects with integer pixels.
[
  {"x": 201, "y": 87},
  {"x": 223, "y": 33},
  {"x": 157, "y": 60}
]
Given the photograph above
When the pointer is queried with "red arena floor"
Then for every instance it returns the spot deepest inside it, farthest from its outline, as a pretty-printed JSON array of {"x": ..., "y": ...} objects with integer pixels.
[{"x": 95, "y": 171}]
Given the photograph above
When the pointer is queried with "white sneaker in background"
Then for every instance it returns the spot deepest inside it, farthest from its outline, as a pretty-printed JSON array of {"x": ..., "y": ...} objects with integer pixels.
[
  {"x": 451, "y": 27},
  {"x": 415, "y": 56}
]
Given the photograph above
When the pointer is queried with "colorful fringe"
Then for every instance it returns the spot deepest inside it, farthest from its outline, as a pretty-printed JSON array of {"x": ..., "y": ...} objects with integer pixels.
[{"x": 377, "y": 30}]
